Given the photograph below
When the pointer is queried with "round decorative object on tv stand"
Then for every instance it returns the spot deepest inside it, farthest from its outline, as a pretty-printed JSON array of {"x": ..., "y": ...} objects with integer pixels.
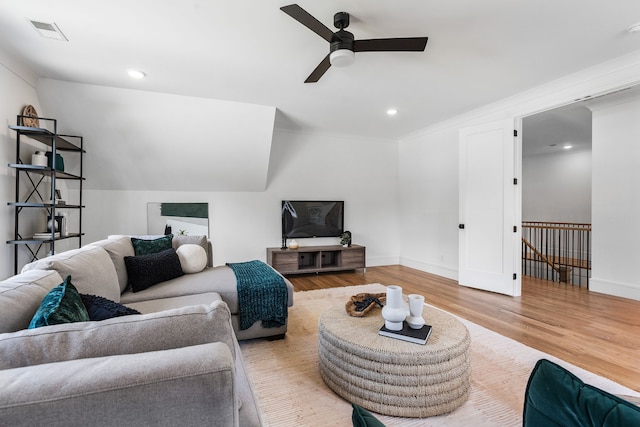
[{"x": 293, "y": 244}]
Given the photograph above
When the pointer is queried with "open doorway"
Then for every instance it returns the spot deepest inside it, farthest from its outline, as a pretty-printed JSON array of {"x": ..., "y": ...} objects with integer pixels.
[{"x": 556, "y": 194}]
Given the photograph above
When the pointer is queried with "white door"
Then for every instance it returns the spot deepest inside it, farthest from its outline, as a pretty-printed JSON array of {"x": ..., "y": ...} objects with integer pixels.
[{"x": 489, "y": 249}]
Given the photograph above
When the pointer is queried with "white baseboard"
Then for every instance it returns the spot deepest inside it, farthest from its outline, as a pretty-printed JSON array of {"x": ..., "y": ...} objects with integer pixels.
[
  {"x": 619, "y": 289},
  {"x": 440, "y": 270},
  {"x": 379, "y": 261}
]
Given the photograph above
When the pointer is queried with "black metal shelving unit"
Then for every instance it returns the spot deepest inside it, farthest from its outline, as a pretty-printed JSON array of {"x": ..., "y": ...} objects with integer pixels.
[{"x": 37, "y": 183}]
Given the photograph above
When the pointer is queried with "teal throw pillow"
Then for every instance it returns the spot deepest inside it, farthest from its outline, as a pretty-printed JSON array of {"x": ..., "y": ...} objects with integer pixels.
[
  {"x": 61, "y": 305},
  {"x": 363, "y": 418},
  {"x": 151, "y": 246},
  {"x": 555, "y": 397}
]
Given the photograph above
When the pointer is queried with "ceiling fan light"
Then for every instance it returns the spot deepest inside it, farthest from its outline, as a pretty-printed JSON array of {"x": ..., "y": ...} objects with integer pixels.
[{"x": 342, "y": 57}]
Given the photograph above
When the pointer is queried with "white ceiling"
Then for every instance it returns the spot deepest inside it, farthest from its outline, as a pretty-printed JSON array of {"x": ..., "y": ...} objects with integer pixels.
[
  {"x": 550, "y": 131},
  {"x": 251, "y": 52}
]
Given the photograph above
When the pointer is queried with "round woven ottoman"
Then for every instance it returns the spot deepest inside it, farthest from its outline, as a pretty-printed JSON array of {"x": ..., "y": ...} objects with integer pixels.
[{"x": 390, "y": 376}]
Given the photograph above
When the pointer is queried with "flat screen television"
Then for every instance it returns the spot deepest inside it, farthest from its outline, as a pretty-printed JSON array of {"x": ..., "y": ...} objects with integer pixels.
[{"x": 312, "y": 218}]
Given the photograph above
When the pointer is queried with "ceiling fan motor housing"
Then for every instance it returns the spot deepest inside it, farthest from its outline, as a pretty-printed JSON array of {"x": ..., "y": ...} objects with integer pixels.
[{"x": 341, "y": 40}]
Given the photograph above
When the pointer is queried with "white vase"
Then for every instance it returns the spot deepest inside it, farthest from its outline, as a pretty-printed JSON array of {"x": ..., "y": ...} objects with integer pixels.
[
  {"x": 394, "y": 312},
  {"x": 416, "y": 305}
]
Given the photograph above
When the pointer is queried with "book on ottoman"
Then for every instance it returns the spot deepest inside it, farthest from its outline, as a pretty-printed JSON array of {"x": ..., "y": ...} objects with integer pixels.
[{"x": 418, "y": 336}]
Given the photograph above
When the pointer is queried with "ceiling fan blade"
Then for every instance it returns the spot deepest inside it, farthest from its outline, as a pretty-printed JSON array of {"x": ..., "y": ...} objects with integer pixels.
[
  {"x": 319, "y": 71},
  {"x": 303, "y": 17},
  {"x": 406, "y": 44}
]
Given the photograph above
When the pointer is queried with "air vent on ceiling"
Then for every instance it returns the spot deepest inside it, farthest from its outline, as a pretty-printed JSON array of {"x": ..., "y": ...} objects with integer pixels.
[{"x": 49, "y": 30}]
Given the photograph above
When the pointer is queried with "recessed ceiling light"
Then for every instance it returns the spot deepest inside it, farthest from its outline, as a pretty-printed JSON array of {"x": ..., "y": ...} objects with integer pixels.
[
  {"x": 567, "y": 147},
  {"x": 635, "y": 28},
  {"x": 392, "y": 111},
  {"x": 136, "y": 74}
]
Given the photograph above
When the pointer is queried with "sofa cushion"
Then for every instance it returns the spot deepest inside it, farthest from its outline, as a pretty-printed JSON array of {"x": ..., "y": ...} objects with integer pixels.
[
  {"x": 147, "y": 270},
  {"x": 188, "y": 386},
  {"x": 90, "y": 267},
  {"x": 556, "y": 397},
  {"x": 180, "y": 327},
  {"x": 218, "y": 279},
  {"x": 193, "y": 258},
  {"x": 61, "y": 305},
  {"x": 151, "y": 246},
  {"x": 118, "y": 248},
  {"x": 156, "y": 305},
  {"x": 100, "y": 308},
  {"x": 21, "y": 295}
]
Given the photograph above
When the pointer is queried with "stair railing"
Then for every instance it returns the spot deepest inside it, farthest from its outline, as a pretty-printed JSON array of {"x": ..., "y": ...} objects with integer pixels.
[{"x": 557, "y": 251}]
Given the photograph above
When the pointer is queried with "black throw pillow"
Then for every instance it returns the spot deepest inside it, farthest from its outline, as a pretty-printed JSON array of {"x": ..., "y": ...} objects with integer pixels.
[
  {"x": 100, "y": 308},
  {"x": 147, "y": 270}
]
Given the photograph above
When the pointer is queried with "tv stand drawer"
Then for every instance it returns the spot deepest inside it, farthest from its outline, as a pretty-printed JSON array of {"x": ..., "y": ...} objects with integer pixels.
[{"x": 284, "y": 261}]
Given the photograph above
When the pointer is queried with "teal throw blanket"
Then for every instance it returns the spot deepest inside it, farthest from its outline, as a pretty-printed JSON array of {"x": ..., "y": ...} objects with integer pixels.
[{"x": 262, "y": 294}]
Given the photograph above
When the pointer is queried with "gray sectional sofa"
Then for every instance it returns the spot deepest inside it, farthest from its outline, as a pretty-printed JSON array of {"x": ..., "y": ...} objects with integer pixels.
[{"x": 177, "y": 363}]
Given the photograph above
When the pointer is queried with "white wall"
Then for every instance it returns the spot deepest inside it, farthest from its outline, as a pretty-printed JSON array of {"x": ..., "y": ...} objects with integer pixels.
[
  {"x": 428, "y": 213},
  {"x": 557, "y": 187},
  {"x": 362, "y": 172},
  {"x": 429, "y": 167},
  {"x": 616, "y": 197}
]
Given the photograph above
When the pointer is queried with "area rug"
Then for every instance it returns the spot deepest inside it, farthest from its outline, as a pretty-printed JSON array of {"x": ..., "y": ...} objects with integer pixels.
[{"x": 292, "y": 394}]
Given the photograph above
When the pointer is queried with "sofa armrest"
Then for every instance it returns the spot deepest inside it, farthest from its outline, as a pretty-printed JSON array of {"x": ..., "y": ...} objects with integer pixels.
[
  {"x": 180, "y": 327},
  {"x": 184, "y": 386}
]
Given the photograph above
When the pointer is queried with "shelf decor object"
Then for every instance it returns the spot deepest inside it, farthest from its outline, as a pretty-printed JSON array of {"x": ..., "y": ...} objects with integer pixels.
[
  {"x": 30, "y": 117},
  {"x": 39, "y": 159}
]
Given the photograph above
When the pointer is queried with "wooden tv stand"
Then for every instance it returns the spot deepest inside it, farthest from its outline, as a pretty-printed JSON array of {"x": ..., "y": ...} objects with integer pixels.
[{"x": 316, "y": 259}]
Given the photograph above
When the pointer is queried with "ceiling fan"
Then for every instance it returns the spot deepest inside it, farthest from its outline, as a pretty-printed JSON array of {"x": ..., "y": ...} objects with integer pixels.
[{"x": 343, "y": 46}]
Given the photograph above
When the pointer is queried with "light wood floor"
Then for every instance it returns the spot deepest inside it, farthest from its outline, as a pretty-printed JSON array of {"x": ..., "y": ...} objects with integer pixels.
[{"x": 597, "y": 332}]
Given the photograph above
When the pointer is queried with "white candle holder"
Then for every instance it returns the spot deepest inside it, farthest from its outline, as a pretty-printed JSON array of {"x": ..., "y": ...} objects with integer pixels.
[{"x": 416, "y": 305}]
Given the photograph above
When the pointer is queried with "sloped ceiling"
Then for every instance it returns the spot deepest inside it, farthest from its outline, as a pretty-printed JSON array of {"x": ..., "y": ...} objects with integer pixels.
[{"x": 140, "y": 140}]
